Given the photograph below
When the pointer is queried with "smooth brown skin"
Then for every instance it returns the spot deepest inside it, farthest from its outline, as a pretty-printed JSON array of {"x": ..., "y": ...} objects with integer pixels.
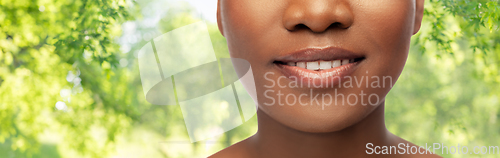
[{"x": 262, "y": 30}]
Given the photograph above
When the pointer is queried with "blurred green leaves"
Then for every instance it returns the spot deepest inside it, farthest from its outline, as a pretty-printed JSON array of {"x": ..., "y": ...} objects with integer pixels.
[
  {"x": 40, "y": 42},
  {"x": 448, "y": 93}
]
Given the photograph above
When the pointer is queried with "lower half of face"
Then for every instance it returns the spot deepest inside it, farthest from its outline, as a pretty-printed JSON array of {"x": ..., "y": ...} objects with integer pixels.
[{"x": 320, "y": 66}]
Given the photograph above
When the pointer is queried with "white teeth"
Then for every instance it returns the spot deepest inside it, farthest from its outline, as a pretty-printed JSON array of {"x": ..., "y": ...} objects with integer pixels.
[
  {"x": 345, "y": 62},
  {"x": 313, "y": 65},
  {"x": 325, "y": 65},
  {"x": 321, "y": 65},
  {"x": 336, "y": 63},
  {"x": 301, "y": 64}
]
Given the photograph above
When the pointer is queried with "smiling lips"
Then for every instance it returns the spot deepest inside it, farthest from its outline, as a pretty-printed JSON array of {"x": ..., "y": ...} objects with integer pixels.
[{"x": 319, "y": 67}]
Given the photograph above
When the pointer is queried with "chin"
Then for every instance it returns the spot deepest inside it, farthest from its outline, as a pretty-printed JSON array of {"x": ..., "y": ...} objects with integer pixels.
[{"x": 315, "y": 119}]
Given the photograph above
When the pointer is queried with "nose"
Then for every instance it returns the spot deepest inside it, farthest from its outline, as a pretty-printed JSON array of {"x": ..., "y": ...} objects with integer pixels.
[{"x": 317, "y": 15}]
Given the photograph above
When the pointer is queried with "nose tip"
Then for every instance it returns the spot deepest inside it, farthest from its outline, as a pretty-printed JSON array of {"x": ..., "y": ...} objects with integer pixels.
[{"x": 317, "y": 16}]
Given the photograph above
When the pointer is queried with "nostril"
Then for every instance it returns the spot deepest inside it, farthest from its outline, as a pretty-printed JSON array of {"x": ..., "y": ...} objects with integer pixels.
[
  {"x": 335, "y": 25},
  {"x": 300, "y": 27},
  {"x": 338, "y": 25}
]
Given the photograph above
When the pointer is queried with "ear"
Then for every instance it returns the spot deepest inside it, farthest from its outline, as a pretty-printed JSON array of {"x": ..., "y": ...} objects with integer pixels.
[
  {"x": 419, "y": 13},
  {"x": 219, "y": 20}
]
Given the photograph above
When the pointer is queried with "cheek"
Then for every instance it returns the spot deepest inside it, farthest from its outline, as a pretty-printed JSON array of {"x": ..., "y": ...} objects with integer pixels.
[
  {"x": 387, "y": 26},
  {"x": 249, "y": 24},
  {"x": 383, "y": 29}
]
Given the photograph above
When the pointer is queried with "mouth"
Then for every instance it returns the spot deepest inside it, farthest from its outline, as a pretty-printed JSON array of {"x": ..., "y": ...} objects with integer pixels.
[{"x": 319, "y": 67}]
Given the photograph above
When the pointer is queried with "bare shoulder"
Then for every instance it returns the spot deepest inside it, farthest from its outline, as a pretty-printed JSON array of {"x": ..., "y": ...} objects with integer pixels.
[{"x": 240, "y": 149}]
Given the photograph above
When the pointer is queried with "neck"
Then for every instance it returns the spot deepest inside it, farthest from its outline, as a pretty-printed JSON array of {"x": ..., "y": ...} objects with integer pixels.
[{"x": 276, "y": 140}]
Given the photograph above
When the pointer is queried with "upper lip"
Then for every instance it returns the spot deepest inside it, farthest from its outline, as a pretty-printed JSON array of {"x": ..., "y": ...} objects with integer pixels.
[{"x": 317, "y": 54}]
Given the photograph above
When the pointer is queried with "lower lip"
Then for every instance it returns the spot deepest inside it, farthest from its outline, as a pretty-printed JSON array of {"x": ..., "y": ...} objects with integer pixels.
[{"x": 318, "y": 79}]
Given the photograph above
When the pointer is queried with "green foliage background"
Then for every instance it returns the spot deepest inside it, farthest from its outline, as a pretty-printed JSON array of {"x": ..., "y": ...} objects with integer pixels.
[{"x": 79, "y": 53}]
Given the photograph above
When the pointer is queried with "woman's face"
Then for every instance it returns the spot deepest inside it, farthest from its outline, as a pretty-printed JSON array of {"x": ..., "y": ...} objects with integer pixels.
[{"x": 321, "y": 65}]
